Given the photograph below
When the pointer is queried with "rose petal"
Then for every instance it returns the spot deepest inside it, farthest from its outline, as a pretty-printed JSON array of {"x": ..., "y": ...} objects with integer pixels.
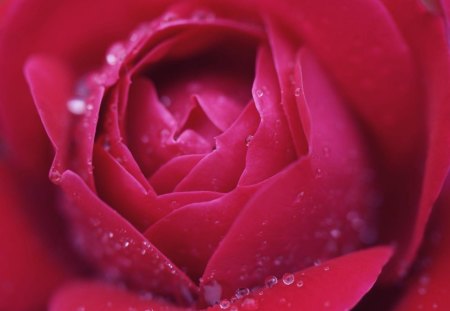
[
  {"x": 51, "y": 85},
  {"x": 54, "y": 28},
  {"x": 151, "y": 130},
  {"x": 167, "y": 177},
  {"x": 337, "y": 284},
  {"x": 123, "y": 192},
  {"x": 117, "y": 248},
  {"x": 284, "y": 49},
  {"x": 374, "y": 67},
  {"x": 231, "y": 149},
  {"x": 270, "y": 149},
  {"x": 26, "y": 257},
  {"x": 429, "y": 286},
  {"x": 428, "y": 40},
  {"x": 43, "y": 75},
  {"x": 85, "y": 295},
  {"x": 189, "y": 235},
  {"x": 295, "y": 216}
]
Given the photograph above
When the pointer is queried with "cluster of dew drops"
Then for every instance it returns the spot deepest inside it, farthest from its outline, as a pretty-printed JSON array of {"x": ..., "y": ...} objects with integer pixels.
[{"x": 249, "y": 303}]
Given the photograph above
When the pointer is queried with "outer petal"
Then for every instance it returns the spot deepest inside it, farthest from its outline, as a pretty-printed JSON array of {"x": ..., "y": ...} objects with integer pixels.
[
  {"x": 427, "y": 37},
  {"x": 318, "y": 207},
  {"x": 100, "y": 296},
  {"x": 335, "y": 285},
  {"x": 55, "y": 28},
  {"x": 28, "y": 264},
  {"x": 429, "y": 287},
  {"x": 117, "y": 248}
]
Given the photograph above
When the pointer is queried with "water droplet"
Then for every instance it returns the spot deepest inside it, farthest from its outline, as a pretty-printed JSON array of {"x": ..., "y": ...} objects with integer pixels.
[
  {"x": 300, "y": 283},
  {"x": 288, "y": 278},
  {"x": 319, "y": 173},
  {"x": 115, "y": 54},
  {"x": 55, "y": 175},
  {"x": 271, "y": 281},
  {"x": 259, "y": 93},
  {"x": 242, "y": 292},
  {"x": 76, "y": 106},
  {"x": 224, "y": 304},
  {"x": 249, "y": 304},
  {"x": 201, "y": 15},
  {"x": 169, "y": 17},
  {"x": 335, "y": 233},
  {"x": 297, "y": 92},
  {"x": 299, "y": 197},
  {"x": 326, "y": 268},
  {"x": 126, "y": 244},
  {"x": 248, "y": 140},
  {"x": 317, "y": 262}
]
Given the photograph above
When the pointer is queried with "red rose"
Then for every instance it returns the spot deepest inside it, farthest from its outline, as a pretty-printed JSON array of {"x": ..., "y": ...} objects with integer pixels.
[{"x": 218, "y": 155}]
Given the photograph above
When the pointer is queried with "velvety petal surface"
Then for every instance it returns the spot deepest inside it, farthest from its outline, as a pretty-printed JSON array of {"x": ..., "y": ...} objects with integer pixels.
[
  {"x": 319, "y": 207},
  {"x": 429, "y": 286},
  {"x": 26, "y": 257},
  {"x": 335, "y": 285},
  {"x": 91, "y": 295},
  {"x": 117, "y": 248}
]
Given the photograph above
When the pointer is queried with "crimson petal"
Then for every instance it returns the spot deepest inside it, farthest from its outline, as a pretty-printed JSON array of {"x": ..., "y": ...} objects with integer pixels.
[
  {"x": 86, "y": 295},
  {"x": 335, "y": 285},
  {"x": 429, "y": 286},
  {"x": 25, "y": 257},
  {"x": 117, "y": 247},
  {"x": 320, "y": 206}
]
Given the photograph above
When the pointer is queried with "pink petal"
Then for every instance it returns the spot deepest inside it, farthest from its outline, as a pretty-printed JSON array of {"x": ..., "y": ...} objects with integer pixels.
[
  {"x": 167, "y": 177},
  {"x": 123, "y": 192},
  {"x": 319, "y": 207},
  {"x": 335, "y": 285},
  {"x": 284, "y": 50},
  {"x": 426, "y": 35},
  {"x": 44, "y": 76},
  {"x": 151, "y": 130},
  {"x": 54, "y": 28},
  {"x": 117, "y": 248},
  {"x": 229, "y": 156},
  {"x": 85, "y": 295},
  {"x": 270, "y": 149},
  {"x": 29, "y": 263},
  {"x": 373, "y": 66},
  {"x": 429, "y": 286},
  {"x": 189, "y": 235}
]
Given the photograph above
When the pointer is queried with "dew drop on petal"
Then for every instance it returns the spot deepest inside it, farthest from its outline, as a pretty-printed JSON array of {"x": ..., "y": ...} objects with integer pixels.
[
  {"x": 76, "y": 106},
  {"x": 335, "y": 233},
  {"x": 248, "y": 140},
  {"x": 259, "y": 93},
  {"x": 224, "y": 304},
  {"x": 300, "y": 283},
  {"x": 288, "y": 278},
  {"x": 115, "y": 54},
  {"x": 271, "y": 281},
  {"x": 297, "y": 92},
  {"x": 242, "y": 292},
  {"x": 55, "y": 175}
]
